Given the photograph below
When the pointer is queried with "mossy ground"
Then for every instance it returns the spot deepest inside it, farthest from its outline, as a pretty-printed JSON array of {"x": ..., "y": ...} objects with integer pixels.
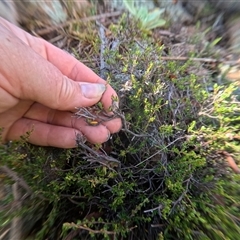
[{"x": 164, "y": 176}]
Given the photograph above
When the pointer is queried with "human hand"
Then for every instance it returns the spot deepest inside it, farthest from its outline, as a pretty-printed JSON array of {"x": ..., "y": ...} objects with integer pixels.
[{"x": 40, "y": 86}]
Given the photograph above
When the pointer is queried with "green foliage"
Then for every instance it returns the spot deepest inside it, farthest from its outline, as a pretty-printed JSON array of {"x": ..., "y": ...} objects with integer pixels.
[
  {"x": 172, "y": 183},
  {"x": 55, "y": 11},
  {"x": 149, "y": 20}
]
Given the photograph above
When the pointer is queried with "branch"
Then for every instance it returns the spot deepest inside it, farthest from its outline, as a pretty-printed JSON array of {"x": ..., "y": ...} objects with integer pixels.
[
  {"x": 159, "y": 151},
  {"x": 95, "y": 156},
  {"x": 16, "y": 178},
  {"x": 102, "y": 231},
  {"x": 86, "y": 19},
  {"x": 102, "y": 49},
  {"x": 182, "y": 195},
  {"x": 204, "y": 60},
  {"x": 16, "y": 224}
]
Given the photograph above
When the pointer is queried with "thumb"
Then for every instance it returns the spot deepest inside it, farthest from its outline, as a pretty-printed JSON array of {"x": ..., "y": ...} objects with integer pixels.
[
  {"x": 29, "y": 76},
  {"x": 67, "y": 94},
  {"x": 57, "y": 91}
]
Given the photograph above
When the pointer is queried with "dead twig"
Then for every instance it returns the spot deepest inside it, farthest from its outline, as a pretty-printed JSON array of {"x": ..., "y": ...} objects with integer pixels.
[
  {"x": 72, "y": 196},
  {"x": 182, "y": 195},
  {"x": 173, "y": 58},
  {"x": 154, "y": 209},
  {"x": 204, "y": 60},
  {"x": 86, "y": 19},
  {"x": 102, "y": 231},
  {"x": 5, "y": 233},
  {"x": 102, "y": 49},
  {"x": 16, "y": 224},
  {"x": 95, "y": 156},
  {"x": 159, "y": 151},
  {"x": 16, "y": 178},
  {"x": 95, "y": 113},
  {"x": 125, "y": 127}
]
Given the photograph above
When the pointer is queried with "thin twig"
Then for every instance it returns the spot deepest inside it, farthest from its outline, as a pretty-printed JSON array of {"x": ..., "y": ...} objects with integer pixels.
[
  {"x": 208, "y": 115},
  {"x": 159, "y": 151},
  {"x": 72, "y": 196},
  {"x": 102, "y": 49},
  {"x": 154, "y": 209},
  {"x": 173, "y": 58},
  {"x": 124, "y": 125},
  {"x": 5, "y": 233},
  {"x": 101, "y": 158},
  {"x": 86, "y": 19},
  {"x": 205, "y": 60},
  {"x": 182, "y": 195},
  {"x": 16, "y": 224},
  {"x": 95, "y": 113},
  {"x": 94, "y": 231},
  {"x": 16, "y": 178}
]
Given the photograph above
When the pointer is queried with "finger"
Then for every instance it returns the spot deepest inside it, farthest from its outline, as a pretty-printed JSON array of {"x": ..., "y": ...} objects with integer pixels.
[
  {"x": 67, "y": 119},
  {"x": 33, "y": 78},
  {"x": 7, "y": 100},
  {"x": 44, "y": 134},
  {"x": 63, "y": 61},
  {"x": 66, "y": 63},
  {"x": 113, "y": 125},
  {"x": 76, "y": 70},
  {"x": 70, "y": 67}
]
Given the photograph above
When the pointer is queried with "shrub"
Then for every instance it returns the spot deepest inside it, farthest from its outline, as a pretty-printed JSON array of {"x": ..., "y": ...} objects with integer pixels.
[{"x": 164, "y": 176}]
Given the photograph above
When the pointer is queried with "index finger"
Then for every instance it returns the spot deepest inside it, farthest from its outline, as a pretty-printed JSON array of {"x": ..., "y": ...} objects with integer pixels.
[
  {"x": 76, "y": 70},
  {"x": 67, "y": 64}
]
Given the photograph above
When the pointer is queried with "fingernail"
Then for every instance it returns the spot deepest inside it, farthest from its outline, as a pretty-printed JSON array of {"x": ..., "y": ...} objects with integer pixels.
[
  {"x": 93, "y": 90},
  {"x": 108, "y": 136}
]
